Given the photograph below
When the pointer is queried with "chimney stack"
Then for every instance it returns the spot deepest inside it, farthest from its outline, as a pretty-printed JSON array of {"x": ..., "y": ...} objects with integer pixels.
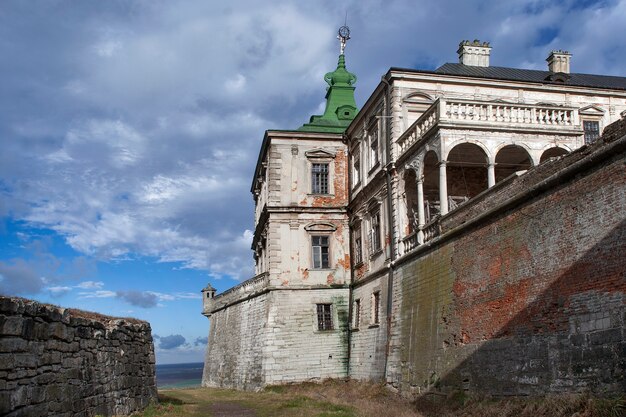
[
  {"x": 474, "y": 53},
  {"x": 558, "y": 61}
]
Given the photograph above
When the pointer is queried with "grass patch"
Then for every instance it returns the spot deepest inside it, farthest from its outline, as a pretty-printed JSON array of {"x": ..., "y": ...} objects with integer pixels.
[{"x": 346, "y": 398}]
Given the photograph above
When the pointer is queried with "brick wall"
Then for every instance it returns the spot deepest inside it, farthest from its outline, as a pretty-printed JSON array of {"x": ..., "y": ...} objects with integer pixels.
[
  {"x": 61, "y": 362},
  {"x": 532, "y": 299}
]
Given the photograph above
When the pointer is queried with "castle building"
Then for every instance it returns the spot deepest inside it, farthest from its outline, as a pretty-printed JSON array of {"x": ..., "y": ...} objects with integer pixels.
[{"x": 367, "y": 224}]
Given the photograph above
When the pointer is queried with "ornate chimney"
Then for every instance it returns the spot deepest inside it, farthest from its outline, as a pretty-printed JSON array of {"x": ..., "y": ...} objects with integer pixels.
[
  {"x": 558, "y": 61},
  {"x": 474, "y": 53}
]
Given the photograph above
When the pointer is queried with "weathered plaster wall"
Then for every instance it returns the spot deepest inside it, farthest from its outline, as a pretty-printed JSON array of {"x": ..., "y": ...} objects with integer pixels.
[
  {"x": 532, "y": 300},
  {"x": 368, "y": 339},
  {"x": 237, "y": 336},
  {"x": 61, "y": 362},
  {"x": 297, "y": 350},
  {"x": 272, "y": 338}
]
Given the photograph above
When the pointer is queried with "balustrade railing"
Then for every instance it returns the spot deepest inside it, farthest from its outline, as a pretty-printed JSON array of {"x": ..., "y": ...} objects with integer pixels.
[
  {"x": 410, "y": 242},
  {"x": 419, "y": 128},
  {"x": 432, "y": 230},
  {"x": 487, "y": 112},
  {"x": 498, "y": 112}
]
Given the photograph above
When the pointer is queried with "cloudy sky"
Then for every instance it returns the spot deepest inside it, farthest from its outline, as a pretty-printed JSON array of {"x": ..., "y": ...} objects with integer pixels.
[{"x": 129, "y": 130}]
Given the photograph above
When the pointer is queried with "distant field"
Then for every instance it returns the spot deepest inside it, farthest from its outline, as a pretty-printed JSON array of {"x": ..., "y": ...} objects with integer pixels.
[{"x": 336, "y": 398}]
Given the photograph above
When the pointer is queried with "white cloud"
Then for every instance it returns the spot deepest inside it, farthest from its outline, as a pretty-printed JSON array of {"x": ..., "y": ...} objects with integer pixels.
[
  {"x": 97, "y": 294},
  {"x": 90, "y": 285}
]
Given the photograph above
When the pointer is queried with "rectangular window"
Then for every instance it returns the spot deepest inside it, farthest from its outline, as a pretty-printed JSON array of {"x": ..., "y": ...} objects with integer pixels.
[
  {"x": 375, "y": 232},
  {"x": 374, "y": 146},
  {"x": 320, "y": 252},
  {"x": 356, "y": 314},
  {"x": 324, "y": 317},
  {"x": 358, "y": 246},
  {"x": 319, "y": 178},
  {"x": 356, "y": 170},
  {"x": 376, "y": 307},
  {"x": 592, "y": 131}
]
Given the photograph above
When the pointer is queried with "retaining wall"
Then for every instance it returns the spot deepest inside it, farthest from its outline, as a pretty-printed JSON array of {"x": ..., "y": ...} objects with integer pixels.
[
  {"x": 64, "y": 362},
  {"x": 531, "y": 299}
]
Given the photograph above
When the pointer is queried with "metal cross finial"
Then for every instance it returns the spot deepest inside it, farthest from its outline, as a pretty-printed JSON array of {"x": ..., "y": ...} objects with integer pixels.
[{"x": 343, "y": 36}]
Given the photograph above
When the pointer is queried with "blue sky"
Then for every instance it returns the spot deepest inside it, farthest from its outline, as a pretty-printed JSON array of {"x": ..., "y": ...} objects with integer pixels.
[{"x": 129, "y": 130}]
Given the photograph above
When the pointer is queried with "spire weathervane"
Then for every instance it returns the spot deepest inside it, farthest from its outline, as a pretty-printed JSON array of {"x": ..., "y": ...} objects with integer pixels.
[{"x": 343, "y": 36}]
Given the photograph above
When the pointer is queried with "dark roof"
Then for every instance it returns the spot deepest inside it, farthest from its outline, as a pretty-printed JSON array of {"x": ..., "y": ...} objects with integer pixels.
[{"x": 514, "y": 74}]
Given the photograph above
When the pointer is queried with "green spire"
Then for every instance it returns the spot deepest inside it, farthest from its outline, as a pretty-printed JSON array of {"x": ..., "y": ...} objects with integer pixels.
[{"x": 340, "y": 104}]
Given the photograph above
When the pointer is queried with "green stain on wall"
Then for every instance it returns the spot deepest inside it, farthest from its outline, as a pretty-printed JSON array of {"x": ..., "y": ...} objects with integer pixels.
[
  {"x": 425, "y": 315},
  {"x": 341, "y": 304}
]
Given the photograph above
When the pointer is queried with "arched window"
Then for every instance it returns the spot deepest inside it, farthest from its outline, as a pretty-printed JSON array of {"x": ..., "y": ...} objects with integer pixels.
[
  {"x": 466, "y": 173},
  {"x": 510, "y": 159},
  {"x": 552, "y": 153}
]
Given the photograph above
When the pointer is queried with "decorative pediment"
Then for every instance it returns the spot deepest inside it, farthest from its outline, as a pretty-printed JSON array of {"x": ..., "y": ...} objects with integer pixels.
[
  {"x": 320, "y": 227},
  {"x": 591, "y": 111},
  {"x": 319, "y": 154}
]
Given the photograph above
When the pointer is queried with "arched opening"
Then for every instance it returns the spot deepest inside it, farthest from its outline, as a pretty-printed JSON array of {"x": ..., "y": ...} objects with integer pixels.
[
  {"x": 552, "y": 153},
  {"x": 415, "y": 105},
  {"x": 431, "y": 186},
  {"x": 466, "y": 173},
  {"x": 510, "y": 159},
  {"x": 410, "y": 193}
]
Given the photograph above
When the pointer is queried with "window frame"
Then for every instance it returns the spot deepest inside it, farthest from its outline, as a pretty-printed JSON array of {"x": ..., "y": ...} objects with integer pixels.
[
  {"x": 595, "y": 133},
  {"x": 324, "y": 316},
  {"x": 358, "y": 246},
  {"x": 321, "y": 246},
  {"x": 375, "y": 318},
  {"x": 375, "y": 231},
  {"x": 320, "y": 181},
  {"x": 356, "y": 169},
  {"x": 356, "y": 313},
  {"x": 373, "y": 137}
]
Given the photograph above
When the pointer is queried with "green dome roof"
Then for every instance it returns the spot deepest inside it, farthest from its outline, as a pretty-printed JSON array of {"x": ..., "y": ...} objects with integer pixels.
[{"x": 340, "y": 105}]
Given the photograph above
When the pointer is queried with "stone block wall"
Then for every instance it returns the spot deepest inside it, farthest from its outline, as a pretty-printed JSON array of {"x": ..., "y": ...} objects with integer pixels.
[
  {"x": 234, "y": 356},
  {"x": 272, "y": 338},
  {"x": 296, "y": 350},
  {"x": 63, "y": 362},
  {"x": 367, "y": 338},
  {"x": 530, "y": 300}
]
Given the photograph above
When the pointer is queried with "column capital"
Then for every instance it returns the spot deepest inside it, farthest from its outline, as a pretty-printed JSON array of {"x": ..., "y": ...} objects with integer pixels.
[{"x": 414, "y": 164}]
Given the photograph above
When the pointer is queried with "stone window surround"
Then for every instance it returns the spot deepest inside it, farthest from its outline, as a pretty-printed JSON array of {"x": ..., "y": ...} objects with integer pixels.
[
  {"x": 373, "y": 134},
  {"x": 375, "y": 229},
  {"x": 591, "y": 114},
  {"x": 321, "y": 229},
  {"x": 375, "y": 308},
  {"x": 357, "y": 243},
  {"x": 356, "y": 314},
  {"x": 321, "y": 156}
]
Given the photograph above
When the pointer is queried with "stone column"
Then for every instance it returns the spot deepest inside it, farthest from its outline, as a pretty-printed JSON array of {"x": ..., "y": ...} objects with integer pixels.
[
  {"x": 491, "y": 175},
  {"x": 443, "y": 188},
  {"x": 421, "y": 220}
]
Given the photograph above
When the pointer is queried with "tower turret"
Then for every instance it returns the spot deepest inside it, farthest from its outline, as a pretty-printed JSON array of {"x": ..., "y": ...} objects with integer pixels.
[
  {"x": 340, "y": 105},
  {"x": 208, "y": 293}
]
